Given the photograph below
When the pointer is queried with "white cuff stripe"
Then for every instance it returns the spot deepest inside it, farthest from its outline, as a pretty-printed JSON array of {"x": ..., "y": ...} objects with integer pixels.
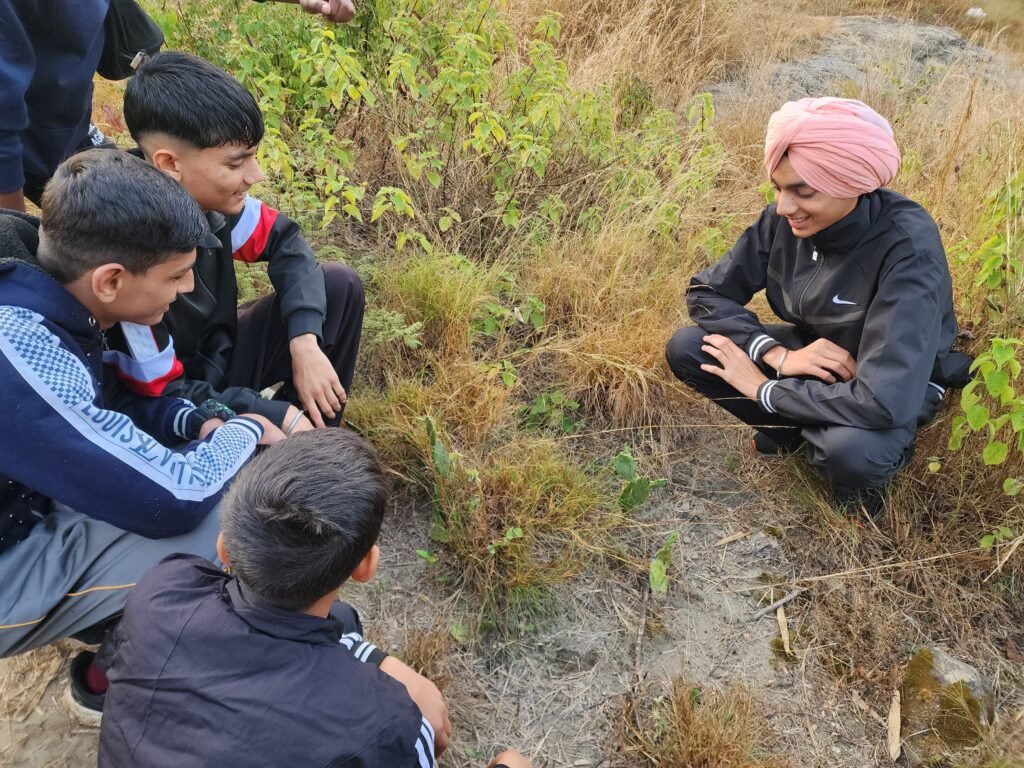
[
  {"x": 765, "y": 391},
  {"x": 364, "y": 652},
  {"x": 942, "y": 390},
  {"x": 350, "y": 639},
  {"x": 425, "y": 744},
  {"x": 180, "y": 420},
  {"x": 758, "y": 347}
]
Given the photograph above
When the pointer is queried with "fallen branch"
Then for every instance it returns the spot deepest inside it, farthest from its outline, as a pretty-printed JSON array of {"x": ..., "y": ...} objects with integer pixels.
[
  {"x": 638, "y": 651},
  {"x": 777, "y": 604}
]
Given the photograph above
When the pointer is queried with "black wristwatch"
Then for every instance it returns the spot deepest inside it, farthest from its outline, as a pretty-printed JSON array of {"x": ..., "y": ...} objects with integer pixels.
[{"x": 214, "y": 409}]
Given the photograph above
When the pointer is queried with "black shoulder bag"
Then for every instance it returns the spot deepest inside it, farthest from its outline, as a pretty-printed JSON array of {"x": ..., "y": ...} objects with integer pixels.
[{"x": 128, "y": 31}]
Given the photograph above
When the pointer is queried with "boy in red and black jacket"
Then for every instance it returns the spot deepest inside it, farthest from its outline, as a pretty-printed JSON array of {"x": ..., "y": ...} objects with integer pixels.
[{"x": 200, "y": 126}]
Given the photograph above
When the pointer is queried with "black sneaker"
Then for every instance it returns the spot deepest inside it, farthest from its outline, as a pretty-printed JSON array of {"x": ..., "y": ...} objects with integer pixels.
[
  {"x": 863, "y": 502},
  {"x": 86, "y": 707},
  {"x": 766, "y": 446}
]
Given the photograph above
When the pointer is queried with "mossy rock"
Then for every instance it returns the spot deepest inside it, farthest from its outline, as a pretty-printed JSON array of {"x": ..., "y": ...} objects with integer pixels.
[{"x": 946, "y": 706}]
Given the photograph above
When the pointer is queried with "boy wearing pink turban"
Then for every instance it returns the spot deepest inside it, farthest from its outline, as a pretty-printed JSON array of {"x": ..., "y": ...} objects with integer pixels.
[{"x": 859, "y": 276}]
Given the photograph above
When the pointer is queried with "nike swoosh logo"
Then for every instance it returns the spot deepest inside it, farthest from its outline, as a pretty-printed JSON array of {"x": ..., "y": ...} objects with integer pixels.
[{"x": 837, "y": 300}]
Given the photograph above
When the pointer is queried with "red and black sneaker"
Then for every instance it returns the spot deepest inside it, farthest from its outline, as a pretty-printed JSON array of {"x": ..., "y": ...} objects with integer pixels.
[{"x": 86, "y": 690}]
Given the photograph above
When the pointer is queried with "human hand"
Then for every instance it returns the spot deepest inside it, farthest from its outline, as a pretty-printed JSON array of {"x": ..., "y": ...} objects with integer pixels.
[
  {"x": 511, "y": 758},
  {"x": 426, "y": 696},
  {"x": 208, "y": 426},
  {"x": 737, "y": 370},
  {"x": 332, "y": 10},
  {"x": 295, "y": 421},
  {"x": 315, "y": 379},
  {"x": 271, "y": 432},
  {"x": 821, "y": 359}
]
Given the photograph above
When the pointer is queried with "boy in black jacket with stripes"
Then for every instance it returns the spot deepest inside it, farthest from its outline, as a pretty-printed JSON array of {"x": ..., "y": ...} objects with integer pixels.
[
  {"x": 263, "y": 665},
  {"x": 200, "y": 126}
]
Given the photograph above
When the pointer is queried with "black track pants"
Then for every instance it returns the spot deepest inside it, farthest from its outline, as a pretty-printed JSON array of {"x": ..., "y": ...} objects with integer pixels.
[
  {"x": 261, "y": 357},
  {"x": 849, "y": 457}
]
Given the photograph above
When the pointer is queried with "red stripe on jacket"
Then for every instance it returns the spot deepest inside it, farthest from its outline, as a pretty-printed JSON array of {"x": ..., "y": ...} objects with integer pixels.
[{"x": 256, "y": 243}]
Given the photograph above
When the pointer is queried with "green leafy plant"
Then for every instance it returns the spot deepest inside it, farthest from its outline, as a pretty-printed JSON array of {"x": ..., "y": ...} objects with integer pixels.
[
  {"x": 991, "y": 404},
  {"x": 635, "y": 489},
  {"x": 1000, "y": 535},
  {"x": 551, "y": 410},
  {"x": 658, "y": 575}
]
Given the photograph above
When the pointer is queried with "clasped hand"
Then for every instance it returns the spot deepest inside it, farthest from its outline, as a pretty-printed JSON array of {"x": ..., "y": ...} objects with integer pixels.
[{"x": 821, "y": 359}]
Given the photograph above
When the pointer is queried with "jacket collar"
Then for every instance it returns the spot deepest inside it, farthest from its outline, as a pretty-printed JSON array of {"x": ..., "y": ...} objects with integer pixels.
[
  {"x": 279, "y": 623},
  {"x": 843, "y": 236},
  {"x": 24, "y": 282},
  {"x": 217, "y": 222}
]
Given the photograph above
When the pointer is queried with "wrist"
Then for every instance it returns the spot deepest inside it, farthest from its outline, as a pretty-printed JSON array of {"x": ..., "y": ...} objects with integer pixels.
[
  {"x": 774, "y": 355},
  {"x": 304, "y": 341}
]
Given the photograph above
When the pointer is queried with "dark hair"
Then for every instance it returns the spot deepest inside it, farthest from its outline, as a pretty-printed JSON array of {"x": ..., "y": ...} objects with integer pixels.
[
  {"x": 302, "y": 515},
  {"x": 104, "y": 206},
  {"x": 191, "y": 99}
]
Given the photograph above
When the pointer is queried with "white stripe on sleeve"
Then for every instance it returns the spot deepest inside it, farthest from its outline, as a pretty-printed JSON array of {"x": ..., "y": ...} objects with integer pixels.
[{"x": 425, "y": 745}]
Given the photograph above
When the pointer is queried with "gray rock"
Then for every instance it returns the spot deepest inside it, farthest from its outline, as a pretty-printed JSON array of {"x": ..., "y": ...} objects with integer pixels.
[
  {"x": 946, "y": 706},
  {"x": 861, "y": 46}
]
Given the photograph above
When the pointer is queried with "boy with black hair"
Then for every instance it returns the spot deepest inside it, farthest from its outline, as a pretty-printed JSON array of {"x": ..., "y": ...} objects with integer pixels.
[
  {"x": 200, "y": 126},
  {"x": 267, "y": 653},
  {"x": 90, "y": 494}
]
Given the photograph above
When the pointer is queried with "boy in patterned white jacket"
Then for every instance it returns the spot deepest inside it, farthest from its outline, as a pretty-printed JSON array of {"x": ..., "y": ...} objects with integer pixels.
[{"x": 200, "y": 126}]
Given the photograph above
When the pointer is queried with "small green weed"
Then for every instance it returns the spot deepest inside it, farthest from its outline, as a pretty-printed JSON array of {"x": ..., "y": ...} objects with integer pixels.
[
  {"x": 635, "y": 489},
  {"x": 551, "y": 410},
  {"x": 658, "y": 576}
]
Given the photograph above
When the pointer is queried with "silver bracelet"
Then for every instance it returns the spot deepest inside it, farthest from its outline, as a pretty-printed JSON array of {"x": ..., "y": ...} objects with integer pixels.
[
  {"x": 782, "y": 360},
  {"x": 294, "y": 422}
]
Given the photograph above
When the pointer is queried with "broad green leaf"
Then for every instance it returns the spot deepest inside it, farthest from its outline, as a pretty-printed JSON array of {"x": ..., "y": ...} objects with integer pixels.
[
  {"x": 658, "y": 576},
  {"x": 995, "y": 453},
  {"x": 439, "y": 533},
  {"x": 996, "y": 382},
  {"x": 977, "y": 416},
  {"x": 625, "y": 466},
  {"x": 634, "y": 493}
]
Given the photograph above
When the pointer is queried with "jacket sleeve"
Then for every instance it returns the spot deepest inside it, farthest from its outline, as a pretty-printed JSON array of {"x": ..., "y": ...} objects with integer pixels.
[
  {"x": 170, "y": 420},
  {"x": 262, "y": 234},
  {"x": 98, "y": 461},
  {"x": 718, "y": 296},
  {"x": 894, "y": 360},
  {"x": 150, "y": 368},
  {"x": 17, "y": 63}
]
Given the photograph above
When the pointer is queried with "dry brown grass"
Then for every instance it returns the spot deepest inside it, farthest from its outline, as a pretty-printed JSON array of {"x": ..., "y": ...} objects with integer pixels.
[
  {"x": 676, "y": 46},
  {"x": 694, "y": 727}
]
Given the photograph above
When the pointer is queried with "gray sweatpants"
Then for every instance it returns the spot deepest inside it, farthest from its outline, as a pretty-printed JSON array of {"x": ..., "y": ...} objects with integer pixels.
[{"x": 73, "y": 571}]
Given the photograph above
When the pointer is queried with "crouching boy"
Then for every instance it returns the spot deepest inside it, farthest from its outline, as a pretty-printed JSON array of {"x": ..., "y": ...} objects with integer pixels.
[
  {"x": 96, "y": 485},
  {"x": 262, "y": 665}
]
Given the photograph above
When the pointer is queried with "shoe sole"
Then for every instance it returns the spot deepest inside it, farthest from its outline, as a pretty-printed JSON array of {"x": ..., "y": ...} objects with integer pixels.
[{"x": 82, "y": 715}]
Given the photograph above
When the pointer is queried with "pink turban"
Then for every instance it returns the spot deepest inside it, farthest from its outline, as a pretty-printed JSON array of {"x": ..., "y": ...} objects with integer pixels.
[{"x": 840, "y": 147}]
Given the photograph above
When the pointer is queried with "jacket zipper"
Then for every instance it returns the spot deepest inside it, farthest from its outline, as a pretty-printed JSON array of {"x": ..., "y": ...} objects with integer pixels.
[{"x": 819, "y": 262}]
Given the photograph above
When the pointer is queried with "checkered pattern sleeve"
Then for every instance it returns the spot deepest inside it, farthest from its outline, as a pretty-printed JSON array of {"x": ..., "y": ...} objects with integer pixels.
[{"x": 62, "y": 441}]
